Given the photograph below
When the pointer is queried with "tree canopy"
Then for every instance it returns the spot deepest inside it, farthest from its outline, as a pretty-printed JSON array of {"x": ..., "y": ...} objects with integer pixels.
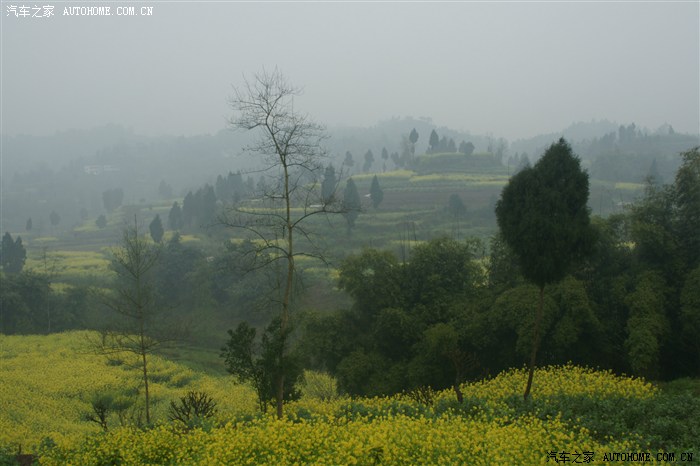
[
  {"x": 12, "y": 254},
  {"x": 543, "y": 215}
]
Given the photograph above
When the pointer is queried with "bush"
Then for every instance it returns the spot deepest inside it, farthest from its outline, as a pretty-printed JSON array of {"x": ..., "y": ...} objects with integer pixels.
[
  {"x": 664, "y": 422},
  {"x": 104, "y": 404},
  {"x": 194, "y": 408}
]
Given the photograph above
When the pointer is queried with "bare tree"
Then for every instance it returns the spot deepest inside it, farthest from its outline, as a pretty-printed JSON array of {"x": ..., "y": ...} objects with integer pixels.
[
  {"x": 138, "y": 327},
  {"x": 290, "y": 145}
]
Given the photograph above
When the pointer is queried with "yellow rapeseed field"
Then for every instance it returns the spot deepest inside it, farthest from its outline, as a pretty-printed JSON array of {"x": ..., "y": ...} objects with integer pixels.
[{"x": 46, "y": 382}]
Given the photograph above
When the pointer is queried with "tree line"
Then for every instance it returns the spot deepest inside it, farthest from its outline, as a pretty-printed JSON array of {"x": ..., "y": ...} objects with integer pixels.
[{"x": 626, "y": 297}]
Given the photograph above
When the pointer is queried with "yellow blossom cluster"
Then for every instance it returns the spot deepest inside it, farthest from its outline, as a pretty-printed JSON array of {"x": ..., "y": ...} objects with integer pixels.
[
  {"x": 567, "y": 380},
  {"x": 397, "y": 440}
]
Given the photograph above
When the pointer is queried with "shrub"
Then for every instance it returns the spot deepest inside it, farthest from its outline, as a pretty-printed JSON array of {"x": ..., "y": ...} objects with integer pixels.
[{"x": 194, "y": 408}]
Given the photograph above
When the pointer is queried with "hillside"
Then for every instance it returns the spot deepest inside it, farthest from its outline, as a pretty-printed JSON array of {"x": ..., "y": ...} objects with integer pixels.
[{"x": 47, "y": 382}]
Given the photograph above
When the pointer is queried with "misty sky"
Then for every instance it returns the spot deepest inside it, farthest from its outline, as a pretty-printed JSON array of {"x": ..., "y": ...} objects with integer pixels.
[{"x": 510, "y": 69}]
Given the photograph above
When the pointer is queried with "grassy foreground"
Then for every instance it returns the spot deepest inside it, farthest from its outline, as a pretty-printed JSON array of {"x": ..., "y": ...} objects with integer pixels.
[{"x": 46, "y": 383}]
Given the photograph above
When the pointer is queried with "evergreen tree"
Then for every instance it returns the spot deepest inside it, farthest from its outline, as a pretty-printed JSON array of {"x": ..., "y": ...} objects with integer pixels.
[
  {"x": 433, "y": 142},
  {"x": 188, "y": 209},
  {"x": 348, "y": 162},
  {"x": 451, "y": 146},
  {"x": 687, "y": 200},
  {"x": 156, "y": 229},
  {"x": 101, "y": 221},
  {"x": 469, "y": 148},
  {"x": 28, "y": 225},
  {"x": 369, "y": 160},
  {"x": 261, "y": 364},
  {"x": 328, "y": 185},
  {"x": 12, "y": 255},
  {"x": 376, "y": 193},
  {"x": 413, "y": 138},
  {"x": 396, "y": 159},
  {"x": 385, "y": 154},
  {"x": 543, "y": 217},
  {"x": 175, "y": 217},
  {"x": 206, "y": 205}
]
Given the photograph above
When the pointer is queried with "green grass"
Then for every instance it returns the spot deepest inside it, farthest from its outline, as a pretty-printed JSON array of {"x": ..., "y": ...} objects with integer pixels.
[{"x": 685, "y": 385}]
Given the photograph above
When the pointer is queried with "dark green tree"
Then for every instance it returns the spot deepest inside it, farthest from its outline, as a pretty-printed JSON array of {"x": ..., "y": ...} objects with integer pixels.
[
  {"x": 433, "y": 142},
  {"x": 413, "y": 138},
  {"x": 652, "y": 228},
  {"x": 466, "y": 148},
  {"x": 687, "y": 200},
  {"x": 348, "y": 161},
  {"x": 329, "y": 184},
  {"x": 175, "y": 217},
  {"x": 22, "y": 301},
  {"x": 175, "y": 272},
  {"x": 352, "y": 204},
  {"x": 369, "y": 160},
  {"x": 101, "y": 221},
  {"x": 206, "y": 205},
  {"x": 13, "y": 254},
  {"x": 189, "y": 209},
  {"x": 28, "y": 226},
  {"x": 156, "y": 229},
  {"x": 451, "y": 146},
  {"x": 262, "y": 364},
  {"x": 647, "y": 326},
  {"x": 376, "y": 193},
  {"x": 544, "y": 218},
  {"x": 690, "y": 314},
  {"x": 503, "y": 272},
  {"x": 384, "y": 344}
]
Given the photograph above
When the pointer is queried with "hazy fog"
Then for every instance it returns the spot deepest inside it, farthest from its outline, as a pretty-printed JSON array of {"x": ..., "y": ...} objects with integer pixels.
[{"x": 510, "y": 69}]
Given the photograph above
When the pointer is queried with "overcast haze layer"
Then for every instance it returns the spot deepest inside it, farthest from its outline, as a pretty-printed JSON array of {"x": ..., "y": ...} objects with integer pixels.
[{"x": 510, "y": 69}]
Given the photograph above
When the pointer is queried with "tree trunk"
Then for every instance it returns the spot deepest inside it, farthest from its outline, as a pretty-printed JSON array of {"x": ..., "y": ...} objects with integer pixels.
[
  {"x": 280, "y": 397},
  {"x": 458, "y": 392},
  {"x": 145, "y": 383},
  {"x": 459, "y": 376},
  {"x": 279, "y": 392},
  {"x": 535, "y": 344}
]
